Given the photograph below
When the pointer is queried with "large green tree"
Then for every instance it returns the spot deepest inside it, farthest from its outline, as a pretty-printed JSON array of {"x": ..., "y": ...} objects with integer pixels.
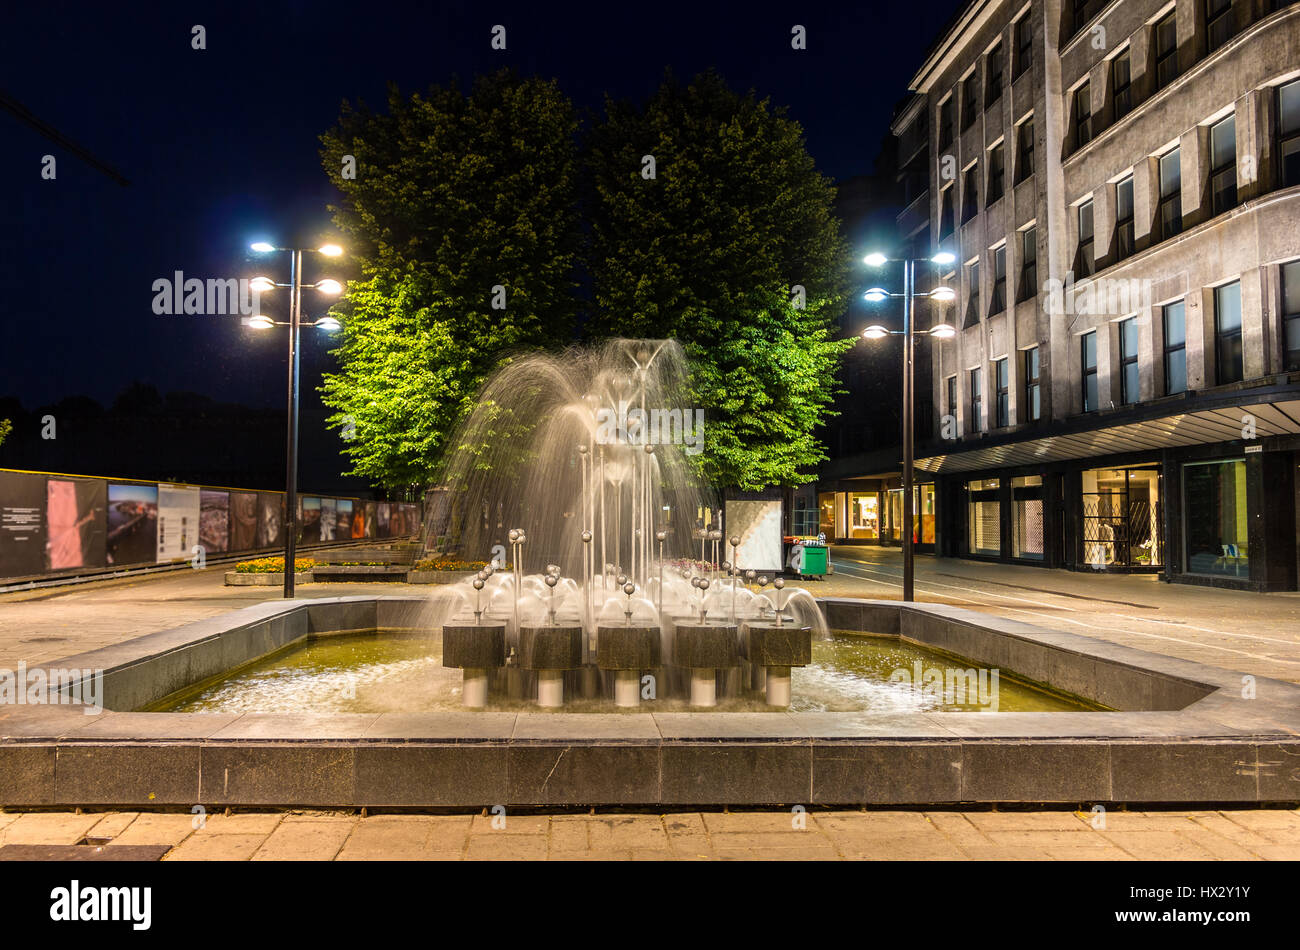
[
  {"x": 460, "y": 202},
  {"x": 713, "y": 250}
]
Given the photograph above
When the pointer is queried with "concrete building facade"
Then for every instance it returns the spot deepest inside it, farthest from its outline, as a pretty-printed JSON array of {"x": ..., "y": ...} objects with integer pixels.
[{"x": 1120, "y": 183}]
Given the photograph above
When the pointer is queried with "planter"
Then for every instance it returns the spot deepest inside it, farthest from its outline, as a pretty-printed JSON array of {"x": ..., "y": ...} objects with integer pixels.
[
  {"x": 437, "y": 577},
  {"x": 235, "y": 579}
]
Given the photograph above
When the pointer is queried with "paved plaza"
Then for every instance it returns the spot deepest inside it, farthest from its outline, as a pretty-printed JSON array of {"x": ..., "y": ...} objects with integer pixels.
[{"x": 1241, "y": 631}]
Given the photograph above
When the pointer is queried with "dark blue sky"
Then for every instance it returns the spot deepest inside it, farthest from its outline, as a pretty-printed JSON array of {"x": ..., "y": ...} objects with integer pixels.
[{"x": 220, "y": 145}]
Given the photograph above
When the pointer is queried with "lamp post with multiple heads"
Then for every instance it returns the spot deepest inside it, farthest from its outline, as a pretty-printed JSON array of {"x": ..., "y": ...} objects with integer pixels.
[
  {"x": 941, "y": 331},
  {"x": 294, "y": 323}
]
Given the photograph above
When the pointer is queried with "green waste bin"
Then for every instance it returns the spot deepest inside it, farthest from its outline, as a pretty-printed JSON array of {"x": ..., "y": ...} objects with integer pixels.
[{"x": 814, "y": 559}]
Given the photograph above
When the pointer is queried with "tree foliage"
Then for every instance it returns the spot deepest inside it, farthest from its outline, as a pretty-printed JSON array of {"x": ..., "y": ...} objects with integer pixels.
[
  {"x": 710, "y": 251},
  {"x": 458, "y": 200},
  {"x": 5, "y": 428}
]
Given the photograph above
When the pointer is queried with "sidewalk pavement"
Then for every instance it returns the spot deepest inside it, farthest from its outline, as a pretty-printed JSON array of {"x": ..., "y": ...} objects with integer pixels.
[{"x": 767, "y": 835}]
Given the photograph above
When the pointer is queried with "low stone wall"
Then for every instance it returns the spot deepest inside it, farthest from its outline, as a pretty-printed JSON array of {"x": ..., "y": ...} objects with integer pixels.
[{"x": 236, "y": 579}]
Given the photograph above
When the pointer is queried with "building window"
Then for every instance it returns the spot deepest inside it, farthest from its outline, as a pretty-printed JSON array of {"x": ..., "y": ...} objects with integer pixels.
[
  {"x": 969, "y": 194},
  {"x": 1082, "y": 116},
  {"x": 1088, "y": 367},
  {"x": 1033, "y": 404},
  {"x": 1227, "y": 333},
  {"x": 1288, "y": 111},
  {"x": 1083, "y": 11},
  {"x": 984, "y": 517},
  {"x": 1291, "y": 314},
  {"x": 1002, "y": 377},
  {"x": 1024, "y": 150},
  {"x": 976, "y": 402},
  {"x": 1166, "y": 50},
  {"x": 946, "y": 213},
  {"x": 1028, "y": 265},
  {"x": 972, "y": 294},
  {"x": 1124, "y": 218},
  {"x": 998, "y": 302},
  {"x": 1024, "y": 45},
  {"x": 1084, "y": 260},
  {"x": 1129, "y": 391},
  {"x": 1174, "y": 317},
  {"x": 1218, "y": 22},
  {"x": 970, "y": 96},
  {"x": 1121, "y": 517},
  {"x": 951, "y": 383},
  {"x": 1170, "y": 214},
  {"x": 997, "y": 174},
  {"x": 1223, "y": 164},
  {"x": 1214, "y": 506},
  {"x": 1121, "y": 85},
  {"x": 1027, "y": 517},
  {"x": 994, "y": 84}
]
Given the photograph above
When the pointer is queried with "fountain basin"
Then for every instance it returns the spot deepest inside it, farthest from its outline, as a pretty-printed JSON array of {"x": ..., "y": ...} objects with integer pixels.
[
  {"x": 1182, "y": 733},
  {"x": 766, "y": 643},
  {"x": 475, "y": 648}
]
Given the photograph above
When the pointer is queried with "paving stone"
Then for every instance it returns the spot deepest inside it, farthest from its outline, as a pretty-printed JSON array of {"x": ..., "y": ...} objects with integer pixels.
[
  {"x": 310, "y": 839},
  {"x": 113, "y": 824},
  {"x": 514, "y": 825},
  {"x": 628, "y": 831},
  {"x": 156, "y": 828},
  {"x": 248, "y": 823},
  {"x": 1158, "y": 845},
  {"x": 59, "y": 827},
  {"x": 224, "y": 847},
  {"x": 505, "y": 847}
]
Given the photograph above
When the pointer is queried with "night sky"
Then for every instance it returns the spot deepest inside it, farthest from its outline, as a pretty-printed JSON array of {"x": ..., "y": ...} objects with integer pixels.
[{"x": 220, "y": 146}]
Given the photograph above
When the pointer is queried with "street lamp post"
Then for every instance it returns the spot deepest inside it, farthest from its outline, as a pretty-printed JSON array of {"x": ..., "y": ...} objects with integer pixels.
[
  {"x": 294, "y": 323},
  {"x": 876, "y": 332}
]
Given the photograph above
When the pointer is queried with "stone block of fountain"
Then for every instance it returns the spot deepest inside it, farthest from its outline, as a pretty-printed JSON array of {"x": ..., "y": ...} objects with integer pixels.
[
  {"x": 474, "y": 648},
  {"x": 775, "y": 648},
  {"x": 705, "y": 648},
  {"x": 626, "y": 650},
  {"x": 549, "y": 650}
]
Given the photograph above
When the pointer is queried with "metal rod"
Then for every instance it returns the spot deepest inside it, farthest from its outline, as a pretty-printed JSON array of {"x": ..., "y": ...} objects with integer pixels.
[
  {"x": 291, "y": 441},
  {"x": 909, "y": 302}
]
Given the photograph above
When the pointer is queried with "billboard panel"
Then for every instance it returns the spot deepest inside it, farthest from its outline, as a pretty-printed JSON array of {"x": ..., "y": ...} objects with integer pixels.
[
  {"x": 178, "y": 521},
  {"x": 243, "y": 521},
  {"x": 344, "y": 529},
  {"x": 270, "y": 524},
  {"x": 132, "y": 524},
  {"x": 328, "y": 518},
  {"x": 214, "y": 520},
  {"x": 22, "y": 524},
  {"x": 76, "y": 523},
  {"x": 309, "y": 519},
  {"x": 759, "y": 525},
  {"x": 372, "y": 518}
]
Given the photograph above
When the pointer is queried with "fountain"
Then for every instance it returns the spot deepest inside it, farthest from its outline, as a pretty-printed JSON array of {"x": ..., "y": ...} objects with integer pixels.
[{"x": 584, "y": 462}]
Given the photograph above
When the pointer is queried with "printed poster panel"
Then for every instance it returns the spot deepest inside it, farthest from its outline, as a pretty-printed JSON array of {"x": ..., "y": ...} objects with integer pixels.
[
  {"x": 179, "y": 507},
  {"x": 372, "y": 518},
  {"x": 132, "y": 524},
  {"x": 22, "y": 524},
  {"x": 309, "y": 519},
  {"x": 76, "y": 512},
  {"x": 243, "y": 521},
  {"x": 328, "y": 518},
  {"x": 759, "y": 525},
  {"x": 270, "y": 525},
  {"x": 382, "y": 520},
  {"x": 344, "y": 529},
  {"x": 396, "y": 520},
  {"x": 214, "y": 520},
  {"x": 358, "y": 519}
]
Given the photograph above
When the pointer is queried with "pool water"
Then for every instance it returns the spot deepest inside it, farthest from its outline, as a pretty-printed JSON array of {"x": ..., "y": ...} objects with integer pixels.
[{"x": 401, "y": 672}]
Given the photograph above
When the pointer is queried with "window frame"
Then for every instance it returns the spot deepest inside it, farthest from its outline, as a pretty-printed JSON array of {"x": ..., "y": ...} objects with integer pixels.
[
  {"x": 1285, "y": 139},
  {"x": 1125, "y": 230},
  {"x": 993, "y": 90},
  {"x": 996, "y": 185},
  {"x": 1168, "y": 57},
  {"x": 947, "y": 121},
  {"x": 1024, "y": 150},
  {"x": 1121, "y": 96},
  {"x": 998, "y": 298},
  {"x": 1232, "y": 338},
  {"x": 970, "y": 106},
  {"x": 1033, "y": 384},
  {"x": 1023, "y": 30},
  {"x": 1290, "y": 357},
  {"x": 1129, "y": 359},
  {"x": 1082, "y": 120},
  {"x": 1220, "y": 21},
  {"x": 976, "y": 400},
  {"x": 972, "y": 314},
  {"x": 1174, "y": 199},
  {"x": 1002, "y": 381},
  {"x": 1174, "y": 348},
  {"x": 1028, "y": 285},
  {"x": 1224, "y": 170},
  {"x": 970, "y": 198},
  {"x": 1088, "y": 372},
  {"x": 1085, "y": 252}
]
